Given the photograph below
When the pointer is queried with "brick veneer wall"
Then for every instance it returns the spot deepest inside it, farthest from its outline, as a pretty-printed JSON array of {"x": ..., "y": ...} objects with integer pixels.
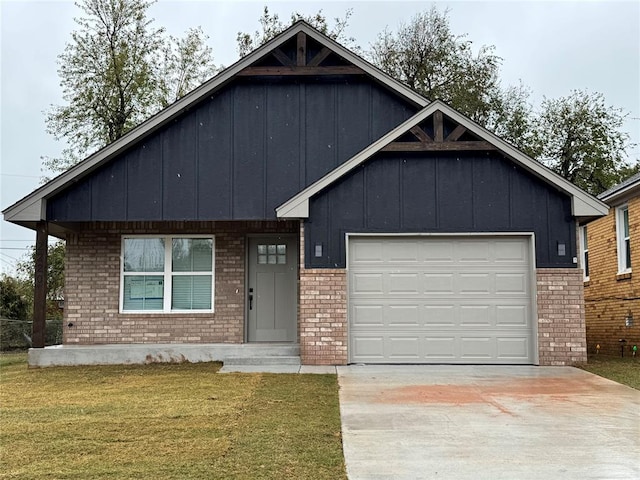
[
  {"x": 561, "y": 325},
  {"x": 322, "y": 313},
  {"x": 609, "y": 297},
  {"x": 92, "y": 285},
  {"x": 323, "y": 316}
]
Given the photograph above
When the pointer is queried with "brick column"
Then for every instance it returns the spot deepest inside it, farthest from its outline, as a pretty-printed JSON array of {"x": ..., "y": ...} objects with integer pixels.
[
  {"x": 322, "y": 313},
  {"x": 561, "y": 320}
]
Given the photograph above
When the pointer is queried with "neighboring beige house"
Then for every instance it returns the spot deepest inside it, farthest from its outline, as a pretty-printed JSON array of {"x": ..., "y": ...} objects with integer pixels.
[{"x": 610, "y": 250}]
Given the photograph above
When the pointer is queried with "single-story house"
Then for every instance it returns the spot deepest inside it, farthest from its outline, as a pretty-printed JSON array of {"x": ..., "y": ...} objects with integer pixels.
[
  {"x": 303, "y": 197},
  {"x": 609, "y": 249}
]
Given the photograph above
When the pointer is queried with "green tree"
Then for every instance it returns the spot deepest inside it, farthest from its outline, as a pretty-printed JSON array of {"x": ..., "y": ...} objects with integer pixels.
[
  {"x": 15, "y": 312},
  {"x": 13, "y": 303},
  {"x": 511, "y": 116},
  {"x": 117, "y": 70},
  {"x": 271, "y": 26},
  {"x": 426, "y": 55},
  {"x": 55, "y": 277},
  {"x": 579, "y": 137}
]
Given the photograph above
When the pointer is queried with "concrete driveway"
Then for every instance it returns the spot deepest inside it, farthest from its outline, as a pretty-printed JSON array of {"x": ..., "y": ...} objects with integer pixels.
[{"x": 484, "y": 422}]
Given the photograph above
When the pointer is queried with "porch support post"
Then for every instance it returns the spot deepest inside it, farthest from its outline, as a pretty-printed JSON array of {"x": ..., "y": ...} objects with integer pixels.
[{"x": 40, "y": 293}]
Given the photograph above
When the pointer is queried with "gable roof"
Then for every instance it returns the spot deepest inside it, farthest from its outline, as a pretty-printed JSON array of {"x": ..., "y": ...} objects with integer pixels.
[
  {"x": 32, "y": 208},
  {"x": 582, "y": 204},
  {"x": 623, "y": 191}
]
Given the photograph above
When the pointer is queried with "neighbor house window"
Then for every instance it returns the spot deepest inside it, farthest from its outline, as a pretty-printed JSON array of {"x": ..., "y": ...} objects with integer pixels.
[
  {"x": 167, "y": 274},
  {"x": 624, "y": 246},
  {"x": 584, "y": 252}
]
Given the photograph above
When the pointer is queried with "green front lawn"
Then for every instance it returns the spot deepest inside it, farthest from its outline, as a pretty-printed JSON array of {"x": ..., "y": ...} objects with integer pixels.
[
  {"x": 622, "y": 370},
  {"x": 165, "y": 421}
]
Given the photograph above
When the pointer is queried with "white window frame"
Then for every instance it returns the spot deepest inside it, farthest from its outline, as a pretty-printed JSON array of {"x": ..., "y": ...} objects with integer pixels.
[
  {"x": 622, "y": 241},
  {"x": 168, "y": 274},
  {"x": 584, "y": 251}
]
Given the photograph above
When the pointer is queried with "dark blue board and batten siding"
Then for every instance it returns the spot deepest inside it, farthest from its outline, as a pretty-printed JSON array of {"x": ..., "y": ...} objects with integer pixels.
[
  {"x": 444, "y": 192},
  {"x": 239, "y": 154}
]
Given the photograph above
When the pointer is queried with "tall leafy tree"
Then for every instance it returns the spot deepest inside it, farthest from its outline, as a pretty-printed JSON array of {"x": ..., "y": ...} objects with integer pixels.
[
  {"x": 271, "y": 26},
  {"x": 117, "y": 70},
  {"x": 581, "y": 138},
  {"x": 55, "y": 276},
  {"x": 13, "y": 304},
  {"x": 426, "y": 55}
]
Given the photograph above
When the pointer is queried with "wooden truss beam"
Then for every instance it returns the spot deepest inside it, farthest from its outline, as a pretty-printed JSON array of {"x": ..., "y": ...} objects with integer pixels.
[
  {"x": 282, "y": 58},
  {"x": 421, "y": 135},
  {"x": 297, "y": 70},
  {"x": 438, "y": 142},
  {"x": 320, "y": 56},
  {"x": 437, "y": 146},
  {"x": 301, "y": 50},
  {"x": 455, "y": 134}
]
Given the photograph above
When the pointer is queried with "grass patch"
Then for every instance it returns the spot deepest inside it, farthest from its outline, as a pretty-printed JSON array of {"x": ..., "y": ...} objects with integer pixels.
[
  {"x": 622, "y": 370},
  {"x": 166, "y": 421}
]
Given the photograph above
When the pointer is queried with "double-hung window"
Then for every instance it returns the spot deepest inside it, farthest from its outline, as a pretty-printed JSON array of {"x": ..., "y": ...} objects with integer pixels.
[
  {"x": 584, "y": 252},
  {"x": 167, "y": 274},
  {"x": 624, "y": 244}
]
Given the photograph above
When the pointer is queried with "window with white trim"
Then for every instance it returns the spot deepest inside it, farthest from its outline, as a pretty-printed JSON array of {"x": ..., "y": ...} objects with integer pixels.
[
  {"x": 584, "y": 252},
  {"x": 624, "y": 245},
  {"x": 167, "y": 274}
]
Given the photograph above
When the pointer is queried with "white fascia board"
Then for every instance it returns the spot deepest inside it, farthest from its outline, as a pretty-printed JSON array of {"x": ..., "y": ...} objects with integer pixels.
[
  {"x": 582, "y": 204},
  {"x": 622, "y": 195},
  {"x": 33, "y": 211},
  {"x": 293, "y": 204},
  {"x": 367, "y": 67}
]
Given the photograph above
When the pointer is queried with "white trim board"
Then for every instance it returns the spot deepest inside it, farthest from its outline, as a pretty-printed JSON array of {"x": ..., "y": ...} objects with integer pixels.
[
  {"x": 582, "y": 204},
  {"x": 32, "y": 208}
]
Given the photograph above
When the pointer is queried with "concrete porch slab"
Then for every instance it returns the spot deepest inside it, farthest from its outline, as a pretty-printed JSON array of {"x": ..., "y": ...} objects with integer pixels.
[{"x": 119, "y": 354}]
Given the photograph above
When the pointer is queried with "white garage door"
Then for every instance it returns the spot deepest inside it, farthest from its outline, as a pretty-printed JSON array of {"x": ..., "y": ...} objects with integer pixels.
[{"x": 440, "y": 300}]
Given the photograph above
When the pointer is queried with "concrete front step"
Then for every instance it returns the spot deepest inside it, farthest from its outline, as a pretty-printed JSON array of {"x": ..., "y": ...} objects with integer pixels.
[{"x": 264, "y": 360}]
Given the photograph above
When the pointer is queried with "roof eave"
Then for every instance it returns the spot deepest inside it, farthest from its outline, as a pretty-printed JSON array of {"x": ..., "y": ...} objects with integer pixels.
[
  {"x": 582, "y": 204},
  {"x": 94, "y": 161}
]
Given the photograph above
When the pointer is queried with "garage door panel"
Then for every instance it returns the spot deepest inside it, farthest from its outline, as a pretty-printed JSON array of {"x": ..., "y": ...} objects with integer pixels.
[
  {"x": 512, "y": 315},
  {"x": 513, "y": 348},
  {"x": 438, "y": 283},
  {"x": 368, "y": 348},
  {"x": 402, "y": 316},
  {"x": 403, "y": 283},
  {"x": 512, "y": 252},
  {"x": 511, "y": 283},
  {"x": 403, "y": 348},
  {"x": 475, "y": 283},
  {"x": 444, "y": 300},
  {"x": 441, "y": 348},
  {"x": 368, "y": 283},
  {"x": 439, "y": 316},
  {"x": 368, "y": 252},
  {"x": 436, "y": 252},
  {"x": 367, "y": 315},
  {"x": 401, "y": 252},
  {"x": 477, "y": 348},
  {"x": 472, "y": 252},
  {"x": 476, "y": 315}
]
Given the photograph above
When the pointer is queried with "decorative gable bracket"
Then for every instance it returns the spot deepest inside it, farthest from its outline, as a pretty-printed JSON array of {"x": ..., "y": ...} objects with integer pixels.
[
  {"x": 430, "y": 136},
  {"x": 302, "y": 56}
]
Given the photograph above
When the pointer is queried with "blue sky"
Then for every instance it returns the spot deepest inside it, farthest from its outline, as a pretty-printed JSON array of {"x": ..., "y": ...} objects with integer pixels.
[{"x": 552, "y": 47}]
